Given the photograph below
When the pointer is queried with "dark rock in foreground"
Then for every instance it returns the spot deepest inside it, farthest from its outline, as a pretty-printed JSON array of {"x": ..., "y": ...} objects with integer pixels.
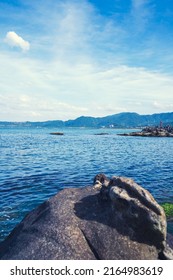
[{"x": 115, "y": 219}]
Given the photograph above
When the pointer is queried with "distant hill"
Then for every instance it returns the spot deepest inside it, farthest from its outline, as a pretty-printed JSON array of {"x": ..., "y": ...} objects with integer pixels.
[
  {"x": 121, "y": 120},
  {"x": 33, "y": 124}
]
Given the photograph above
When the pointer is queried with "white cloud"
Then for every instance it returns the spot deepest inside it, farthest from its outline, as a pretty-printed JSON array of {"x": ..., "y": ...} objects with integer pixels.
[
  {"x": 14, "y": 40},
  {"x": 61, "y": 90},
  {"x": 163, "y": 106},
  {"x": 141, "y": 13},
  {"x": 138, "y": 3},
  {"x": 71, "y": 70}
]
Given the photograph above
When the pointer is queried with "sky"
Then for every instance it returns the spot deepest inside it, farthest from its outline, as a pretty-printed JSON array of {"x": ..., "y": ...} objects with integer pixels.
[{"x": 63, "y": 59}]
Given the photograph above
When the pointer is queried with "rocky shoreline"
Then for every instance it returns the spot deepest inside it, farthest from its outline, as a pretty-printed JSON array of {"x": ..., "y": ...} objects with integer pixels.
[
  {"x": 113, "y": 219},
  {"x": 152, "y": 132}
]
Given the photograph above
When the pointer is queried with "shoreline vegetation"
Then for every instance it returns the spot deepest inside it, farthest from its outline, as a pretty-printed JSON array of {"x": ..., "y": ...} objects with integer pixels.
[{"x": 168, "y": 208}]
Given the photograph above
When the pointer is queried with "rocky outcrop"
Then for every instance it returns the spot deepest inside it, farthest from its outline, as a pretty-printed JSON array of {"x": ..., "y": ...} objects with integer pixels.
[
  {"x": 114, "y": 219},
  {"x": 152, "y": 132},
  {"x": 148, "y": 134}
]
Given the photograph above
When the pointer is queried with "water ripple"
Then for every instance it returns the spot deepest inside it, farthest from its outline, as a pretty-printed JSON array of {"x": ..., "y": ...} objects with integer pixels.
[{"x": 35, "y": 165}]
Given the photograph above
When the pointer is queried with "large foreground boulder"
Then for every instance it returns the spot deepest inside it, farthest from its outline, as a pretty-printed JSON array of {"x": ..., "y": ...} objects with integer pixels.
[{"x": 114, "y": 219}]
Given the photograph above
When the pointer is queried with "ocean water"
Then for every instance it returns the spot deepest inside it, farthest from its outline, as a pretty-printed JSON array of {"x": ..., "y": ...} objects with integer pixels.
[{"x": 35, "y": 165}]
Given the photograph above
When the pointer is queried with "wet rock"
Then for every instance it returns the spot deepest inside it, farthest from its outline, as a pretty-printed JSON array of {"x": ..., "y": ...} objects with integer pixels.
[{"x": 115, "y": 219}]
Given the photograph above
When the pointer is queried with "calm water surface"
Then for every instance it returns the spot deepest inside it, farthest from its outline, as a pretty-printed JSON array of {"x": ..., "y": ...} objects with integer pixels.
[{"x": 35, "y": 165}]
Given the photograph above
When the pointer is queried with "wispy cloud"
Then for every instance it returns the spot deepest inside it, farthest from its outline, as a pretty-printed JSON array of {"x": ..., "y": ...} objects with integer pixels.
[
  {"x": 62, "y": 90},
  {"x": 14, "y": 40},
  {"x": 139, "y": 3},
  {"x": 80, "y": 63},
  {"x": 141, "y": 13},
  {"x": 163, "y": 106}
]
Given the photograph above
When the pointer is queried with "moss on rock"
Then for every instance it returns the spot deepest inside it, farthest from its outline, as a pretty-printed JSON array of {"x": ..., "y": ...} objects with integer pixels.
[{"x": 168, "y": 208}]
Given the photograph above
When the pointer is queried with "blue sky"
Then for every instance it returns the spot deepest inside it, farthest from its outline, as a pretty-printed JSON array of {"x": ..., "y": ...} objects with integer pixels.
[{"x": 63, "y": 59}]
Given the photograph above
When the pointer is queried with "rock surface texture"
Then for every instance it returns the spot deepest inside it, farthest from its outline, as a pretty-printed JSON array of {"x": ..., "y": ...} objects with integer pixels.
[{"x": 114, "y": 219}]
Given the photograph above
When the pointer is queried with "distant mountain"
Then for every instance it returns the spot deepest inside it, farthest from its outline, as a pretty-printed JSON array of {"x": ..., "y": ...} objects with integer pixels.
[
  {"x": 117, "y": 120},
  {"x": 83, "y": 122},
  {"x": 122, "y": 120}
]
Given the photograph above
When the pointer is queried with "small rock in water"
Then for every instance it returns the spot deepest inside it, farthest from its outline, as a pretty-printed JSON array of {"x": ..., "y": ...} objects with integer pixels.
[
  {"x": 56, "y": 133},
  {"x": 102, "y": 133}
]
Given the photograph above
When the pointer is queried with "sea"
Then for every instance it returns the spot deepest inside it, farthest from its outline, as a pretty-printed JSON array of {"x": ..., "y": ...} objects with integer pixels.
[{"x": 35, "y": 165}]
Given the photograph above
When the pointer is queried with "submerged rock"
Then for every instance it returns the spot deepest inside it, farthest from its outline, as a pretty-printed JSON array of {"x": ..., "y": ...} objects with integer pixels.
[
  {"x": 114, "y": 219},
  {"x": 102, "y": 133}
]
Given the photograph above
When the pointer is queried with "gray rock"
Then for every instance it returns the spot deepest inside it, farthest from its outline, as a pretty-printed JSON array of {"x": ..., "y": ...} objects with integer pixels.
[
  {"x": 90, "y": 223},
  {"x": 167, "y": 253},
  {"x": 152, "y": 132},
  {"x": 137, "y": 207}
]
